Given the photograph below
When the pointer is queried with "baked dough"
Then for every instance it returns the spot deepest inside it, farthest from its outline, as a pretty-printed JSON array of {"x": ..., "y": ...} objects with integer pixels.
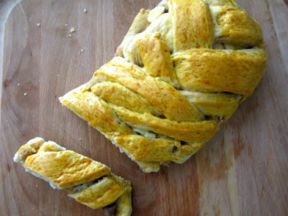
[
  {"x": 182, "y": 69},
  {"x": 87, "y": 181}
]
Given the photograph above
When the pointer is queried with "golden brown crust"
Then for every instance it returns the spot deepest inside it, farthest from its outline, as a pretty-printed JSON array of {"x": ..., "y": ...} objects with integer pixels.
[
  {"x": 155, "y": 56},
  {"x": 87, "y": 181},
  {"x": 65, "y": 168},
  {"x": 200, "y": 131},
  {"x": 121, "y": 96},
  {"x": 145, "y": 149},
  {"x": 101, "y": 194},
  {"x": 183, "y": 68},
  {"x": 158, "y": 93},
  {"x": 237, "y": 28},
  {"x": 222, "y": 105},
  {"x": 192, "y": 23},
  {"x": 95, "y": 111},
  {"x": 28, "y": 149},
  {"x": 237, "y": 72}
]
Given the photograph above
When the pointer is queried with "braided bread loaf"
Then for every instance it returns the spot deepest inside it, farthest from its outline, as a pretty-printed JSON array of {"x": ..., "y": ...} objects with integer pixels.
[
  {"x": 182, "y": 69},
  {"x": 88, "y": 182}
]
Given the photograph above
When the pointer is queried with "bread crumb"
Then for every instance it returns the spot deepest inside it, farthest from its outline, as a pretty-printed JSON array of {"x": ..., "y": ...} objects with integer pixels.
[
  {"x": 72, "y": 30},
  {"x": 82, "y": 50},
  {"x": 25, "y": 94},
  {"x": 85, "y": 10},
  {"x": 38, "y": 24}
]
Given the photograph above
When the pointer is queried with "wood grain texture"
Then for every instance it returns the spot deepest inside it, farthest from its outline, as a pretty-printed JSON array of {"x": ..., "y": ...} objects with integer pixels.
[
  {"x": 242, "y": 171},
  {"x": 5, "y": 8}
]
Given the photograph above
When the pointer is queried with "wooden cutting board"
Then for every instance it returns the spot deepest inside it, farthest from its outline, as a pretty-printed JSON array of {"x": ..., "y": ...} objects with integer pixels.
[{"x": 242, "y": 171}]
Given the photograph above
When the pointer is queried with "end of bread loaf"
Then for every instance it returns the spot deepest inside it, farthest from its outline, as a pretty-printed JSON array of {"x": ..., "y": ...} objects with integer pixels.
[
  {"x": 31, "y": 147},
  {"x": 87, "y": 181}
]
